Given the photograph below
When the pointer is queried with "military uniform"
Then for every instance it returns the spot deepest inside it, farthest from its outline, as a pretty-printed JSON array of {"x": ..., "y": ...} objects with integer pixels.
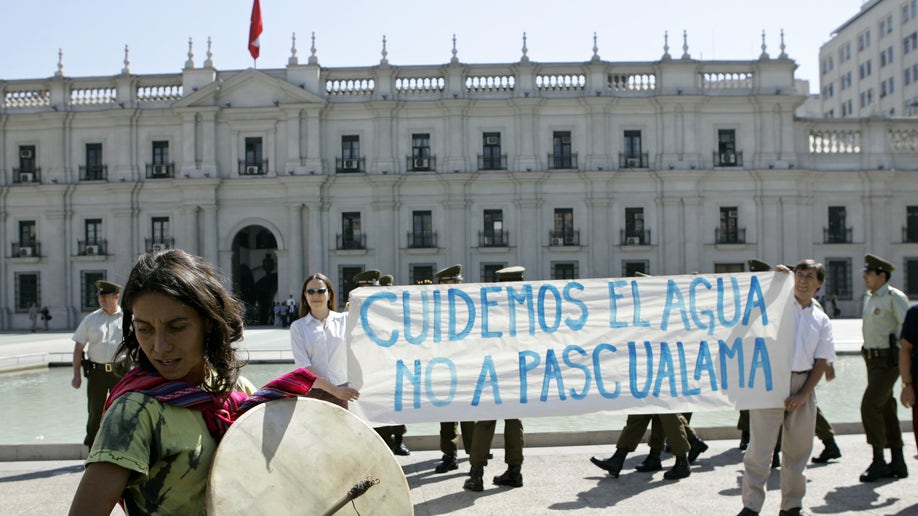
[
  {"x": 101, "y": 334},
  {"x": 484, "y": 432},
  {"x": 449, "y": 430},
  {"x": 392, "y": 434},
  {"x": 884, "y": 310}
]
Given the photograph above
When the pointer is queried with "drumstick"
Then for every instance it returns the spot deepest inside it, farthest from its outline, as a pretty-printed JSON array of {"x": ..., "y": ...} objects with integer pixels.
[{"x": 355, "y": 492}]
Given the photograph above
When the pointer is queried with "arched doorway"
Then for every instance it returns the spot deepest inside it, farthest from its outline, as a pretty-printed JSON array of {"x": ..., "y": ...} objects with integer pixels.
[{"x": 255, "y": 272}]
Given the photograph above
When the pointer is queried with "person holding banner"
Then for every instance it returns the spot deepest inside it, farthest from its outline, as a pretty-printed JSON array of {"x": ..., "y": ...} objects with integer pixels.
[
  {"x": 883, "y": 315},
  {"x": 813, "y": 349},
  {"x": 483, "y": 432},
  {"x": 393, "y": 434},
  {"x": 449, "y": 431},
  {"x": 165, "y": 418},
  {"x": 317, "y": 339}
]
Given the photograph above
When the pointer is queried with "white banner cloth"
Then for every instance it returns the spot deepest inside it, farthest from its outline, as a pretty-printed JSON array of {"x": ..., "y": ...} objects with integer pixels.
[{"x": 483, "y": 351}]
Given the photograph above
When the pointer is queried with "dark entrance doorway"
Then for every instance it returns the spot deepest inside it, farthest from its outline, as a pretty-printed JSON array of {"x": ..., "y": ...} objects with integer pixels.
[{"x": 255, "y": 272}]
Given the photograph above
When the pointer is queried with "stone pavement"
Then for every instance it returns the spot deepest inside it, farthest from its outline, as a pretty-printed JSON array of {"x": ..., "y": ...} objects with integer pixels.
[{"x": 561, "y": 480}]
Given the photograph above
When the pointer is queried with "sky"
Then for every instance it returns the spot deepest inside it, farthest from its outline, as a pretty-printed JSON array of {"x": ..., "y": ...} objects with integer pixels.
[{"x": 92, "y": 34}]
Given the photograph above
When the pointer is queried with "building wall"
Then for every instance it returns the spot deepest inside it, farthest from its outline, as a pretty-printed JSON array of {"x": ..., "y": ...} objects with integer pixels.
[{"x": 793, "y": 170}]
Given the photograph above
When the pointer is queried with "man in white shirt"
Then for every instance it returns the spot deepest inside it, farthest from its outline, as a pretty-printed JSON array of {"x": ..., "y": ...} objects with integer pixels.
[{"x": 814, "y": 349}]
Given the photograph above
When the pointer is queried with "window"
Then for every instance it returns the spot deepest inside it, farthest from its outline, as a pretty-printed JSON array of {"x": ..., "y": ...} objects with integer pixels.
[
  {"x": 350, "y": 154},
  {"x": 838, "y": 278},
  {"x": 253, "y": 162},
  {"x": 729, "y": 268},
  {"x": 561, "y": 156},
  {"x": 630, "y": 268},
  {"x": 420, "y": 152},
  {"x": 27, "y": 159},
  {"x": 27, "y": 290},
  {"x": 911, "y": 225},
  {"x": 493, "y": 234},
  {"x": 418, "y": 274},
  {"x": 491, "y": 158},
  {"x": 160, "y": 153},
  {"x": 346, "y": 275},
  {"x": 564, "y": 270},
  {"x": 564, "y": 232},
  {"x": 27, "y": 233},
  {"x": 727, "y": 156},
  {"x": 95, "y": 170},
  {"x": 351, "y": 237},
  {"x": 350, "y": 146},
  {"x": 911, "y": 277},
  {"x": 633, "y": 155},
  {"x": 160, "y": 236},
  {"x": 422, "y": 234},
  {"x": 89, "y": 299},
  {"x": 634, "y": 227},
  {"x": 728, "y": 232},
  {"x": 838, "y": 232},
  {"x": 489, "y": 271}
]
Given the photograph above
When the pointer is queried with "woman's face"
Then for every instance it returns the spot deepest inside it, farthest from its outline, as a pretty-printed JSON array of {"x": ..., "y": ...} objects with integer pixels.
[
  {"x": 172, "y": 335},
  {"x": 319, "y": 299}
]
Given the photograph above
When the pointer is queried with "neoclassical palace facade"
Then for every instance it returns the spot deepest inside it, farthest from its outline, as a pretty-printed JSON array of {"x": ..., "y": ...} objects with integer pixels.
[{"x": 573, "y": 170}]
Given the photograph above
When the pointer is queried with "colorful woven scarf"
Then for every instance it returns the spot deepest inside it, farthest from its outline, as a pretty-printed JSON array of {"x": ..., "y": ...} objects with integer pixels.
[{"x": 219, "y": 411}]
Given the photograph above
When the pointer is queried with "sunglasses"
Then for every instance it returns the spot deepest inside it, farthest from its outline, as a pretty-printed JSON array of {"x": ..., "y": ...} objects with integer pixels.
[{"x": 313, "y": 291}]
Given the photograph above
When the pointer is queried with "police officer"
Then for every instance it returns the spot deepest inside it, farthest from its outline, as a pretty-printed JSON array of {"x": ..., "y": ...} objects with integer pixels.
[
  {"x": 392, "y": 434},
  {"x": 99, "y": 333},
  {"x": 484, "y": 432},
  {"x": 883, "y": 315},
  {"x": 449, "y": 430}
]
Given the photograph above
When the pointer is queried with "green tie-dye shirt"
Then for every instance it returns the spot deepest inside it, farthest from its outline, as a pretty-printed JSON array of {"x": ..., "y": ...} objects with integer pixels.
[{"x": 168, "y": 449}]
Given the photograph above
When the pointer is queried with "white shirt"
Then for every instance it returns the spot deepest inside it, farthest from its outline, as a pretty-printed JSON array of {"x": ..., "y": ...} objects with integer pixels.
[
  {"x": 322, "y": 348},
  {"x": 102, "y": 335},
  {"x": 812, "y": 337}
]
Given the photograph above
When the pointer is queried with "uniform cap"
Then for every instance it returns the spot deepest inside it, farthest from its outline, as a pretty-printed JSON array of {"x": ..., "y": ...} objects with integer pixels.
[
  {"x": 451, "y": 273},
  {"x": 370, "y": 277},
  {"x": 756, "y": 265},
  {"x": 873, "y": 262},
  {"x": 514, "y": 273},
  {"x": 107, "y": 287},
  {"x": 386, "y": 280}
]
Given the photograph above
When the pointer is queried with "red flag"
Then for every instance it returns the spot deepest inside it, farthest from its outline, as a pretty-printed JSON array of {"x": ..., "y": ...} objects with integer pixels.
[{"x": 255, "y": 30}]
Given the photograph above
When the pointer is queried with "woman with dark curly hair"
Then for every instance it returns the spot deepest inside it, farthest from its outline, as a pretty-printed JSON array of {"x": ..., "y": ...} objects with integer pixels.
[{"x": 164, "y": 419}]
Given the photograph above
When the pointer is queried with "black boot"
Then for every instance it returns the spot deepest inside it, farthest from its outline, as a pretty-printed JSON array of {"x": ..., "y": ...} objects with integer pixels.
[
  {"x": 512, "y": 477},
  {"x": 697, "y": 448},
  {"x": 878, "y": 468},
  {"x": 744, "y": 440},
  {"x": 680, "y": 470},
  {"x": 447, "y": 463},
  {"x": 398, "y": 447},
  {"x": 830, "y": 452},
  {"x": 475, "y": 482},
  {"x": 897, "y": 465},
  {"x": 613, "y": 464},
  {"x": 651, "y": 462}
]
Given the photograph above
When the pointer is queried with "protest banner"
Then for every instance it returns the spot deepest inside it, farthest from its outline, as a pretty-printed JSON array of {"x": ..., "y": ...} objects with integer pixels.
[{"x": 482, "y": 351}]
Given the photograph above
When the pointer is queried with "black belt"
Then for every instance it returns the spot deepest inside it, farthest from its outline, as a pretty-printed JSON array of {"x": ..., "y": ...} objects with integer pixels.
[
  {"x": 875, "y": 352},
  {"x": 802, "y": 372},
  {"x": 108, "y": 367}
]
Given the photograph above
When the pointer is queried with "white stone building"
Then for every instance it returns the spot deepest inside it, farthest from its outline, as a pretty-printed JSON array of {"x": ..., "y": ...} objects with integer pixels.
[
  {"x": 576, "y": 169},
  {"x": 870, "y": 65}
]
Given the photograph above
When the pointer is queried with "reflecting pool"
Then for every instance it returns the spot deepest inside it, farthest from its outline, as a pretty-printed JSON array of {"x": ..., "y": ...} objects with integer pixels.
[{"x": 40, "y": 406}]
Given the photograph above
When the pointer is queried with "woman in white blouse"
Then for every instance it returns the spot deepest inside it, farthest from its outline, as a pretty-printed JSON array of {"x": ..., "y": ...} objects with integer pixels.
[{"x": 318, "y": 340}]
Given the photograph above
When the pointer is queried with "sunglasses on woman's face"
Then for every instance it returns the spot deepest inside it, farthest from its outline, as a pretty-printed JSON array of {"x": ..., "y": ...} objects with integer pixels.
[{"x": 314, "y": 291}]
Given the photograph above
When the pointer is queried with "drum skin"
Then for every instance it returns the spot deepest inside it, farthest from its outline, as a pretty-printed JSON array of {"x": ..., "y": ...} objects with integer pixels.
[{"x": 303, "y": 456}]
